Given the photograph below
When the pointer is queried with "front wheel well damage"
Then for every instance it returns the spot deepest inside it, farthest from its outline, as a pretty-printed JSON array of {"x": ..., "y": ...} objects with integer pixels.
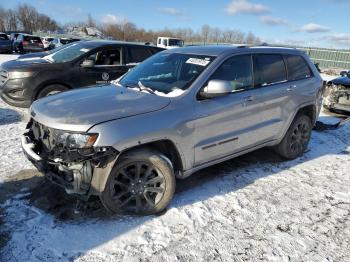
[{"x": 165, "y": 147}]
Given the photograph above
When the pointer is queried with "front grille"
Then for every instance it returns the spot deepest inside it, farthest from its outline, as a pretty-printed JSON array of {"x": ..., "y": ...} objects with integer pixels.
[{"x": 3, "y": 77}]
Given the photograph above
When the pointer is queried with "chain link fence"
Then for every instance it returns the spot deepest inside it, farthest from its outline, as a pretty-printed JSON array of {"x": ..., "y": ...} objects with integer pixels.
[{"x": 329, "y": 58}]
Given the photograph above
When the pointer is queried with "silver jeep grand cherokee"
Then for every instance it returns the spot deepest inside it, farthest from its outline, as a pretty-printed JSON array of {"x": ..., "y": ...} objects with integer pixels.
[{"x": 177, "y": 112}]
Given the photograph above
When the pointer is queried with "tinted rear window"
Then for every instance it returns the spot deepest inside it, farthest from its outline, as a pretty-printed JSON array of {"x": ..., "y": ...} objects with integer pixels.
[
  {"x": 297, "y": 67},
  {"x": 3, "y": 37},
  {"x": 156, "y": 50},
  {"x": 269, "y": 69},
  {"x": 33, "y": 39},
  {"x": 138, "y": 54},
  {"x": 66, "y": 41}
]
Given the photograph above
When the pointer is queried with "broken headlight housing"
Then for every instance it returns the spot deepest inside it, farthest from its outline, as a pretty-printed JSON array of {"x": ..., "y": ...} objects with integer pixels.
[{"x": 75, "y": 140}]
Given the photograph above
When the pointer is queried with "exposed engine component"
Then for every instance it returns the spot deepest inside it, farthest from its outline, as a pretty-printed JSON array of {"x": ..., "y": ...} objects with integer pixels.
[{"x": 336, "y": 97}]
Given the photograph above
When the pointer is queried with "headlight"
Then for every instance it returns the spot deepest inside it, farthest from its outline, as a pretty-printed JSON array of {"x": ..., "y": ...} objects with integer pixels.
[
  {"x": 19, "y": 74},
  {"x": 74, "y": 140}
]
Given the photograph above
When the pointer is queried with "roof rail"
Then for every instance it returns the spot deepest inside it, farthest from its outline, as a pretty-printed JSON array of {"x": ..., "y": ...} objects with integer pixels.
[{"x": 240, "y": 45}]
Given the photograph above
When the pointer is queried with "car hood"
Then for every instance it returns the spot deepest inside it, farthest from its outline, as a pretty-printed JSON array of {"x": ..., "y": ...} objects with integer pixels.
[
  {"x": 344, "y": 80},
  {"x": 31, "y": 62},
  {"x": 79, "y": 110},
  {"x": 37, "y": 55}
]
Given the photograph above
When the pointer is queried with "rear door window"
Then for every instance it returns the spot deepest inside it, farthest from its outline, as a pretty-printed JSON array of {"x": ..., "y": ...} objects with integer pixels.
[
  {"x": 297, "y": 68},
  {"x": 109, "y": 57},
  {"x": 138, "y": 54},
  {"x": 269, "y": 69},
  {"x": 238, "y": 71},
  {"x": 33, "y": 39}
]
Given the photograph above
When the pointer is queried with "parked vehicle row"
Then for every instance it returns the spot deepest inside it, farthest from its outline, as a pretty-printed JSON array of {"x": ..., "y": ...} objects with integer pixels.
[
  {"x": 25, "y": 43},
  {"x": 57, "y": 42},
  {"x": 28, "y": 43},
  {"x": 177, "y": 112},
  {"x": 76, "y": 65}
]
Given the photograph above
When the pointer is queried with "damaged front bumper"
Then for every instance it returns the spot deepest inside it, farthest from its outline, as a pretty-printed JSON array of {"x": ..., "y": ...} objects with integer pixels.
[
  {"x": 337, "y": 97},
  {"x": 83, "y": 174}
]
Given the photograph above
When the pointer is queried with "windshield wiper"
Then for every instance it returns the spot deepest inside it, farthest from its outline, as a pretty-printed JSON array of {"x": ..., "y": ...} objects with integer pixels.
[
  {"x": 49, "y": 59},
  {"x": 140, "y": 87},
  {"x": 145, "y": 88}
]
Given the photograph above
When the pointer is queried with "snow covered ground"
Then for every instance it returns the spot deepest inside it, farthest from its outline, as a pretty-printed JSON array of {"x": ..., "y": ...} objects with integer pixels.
[{"x": 255, "y": 207}]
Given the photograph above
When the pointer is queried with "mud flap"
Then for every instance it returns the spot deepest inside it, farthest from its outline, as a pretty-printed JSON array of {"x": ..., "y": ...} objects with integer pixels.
[{"x": 320, "y": 126}]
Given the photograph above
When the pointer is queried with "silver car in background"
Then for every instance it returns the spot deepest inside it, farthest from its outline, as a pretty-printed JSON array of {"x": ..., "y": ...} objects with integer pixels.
[{"x": 177, "y": 112}]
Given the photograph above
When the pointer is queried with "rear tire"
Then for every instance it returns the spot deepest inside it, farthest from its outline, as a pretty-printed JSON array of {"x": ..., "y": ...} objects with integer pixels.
[
  {"x": 296, "y": 139},
  {"x": 142, "y": 184},
  {"x": 51, "y": 90}
]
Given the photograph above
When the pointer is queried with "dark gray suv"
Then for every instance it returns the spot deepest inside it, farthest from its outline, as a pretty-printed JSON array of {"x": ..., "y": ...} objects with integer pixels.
[{"x": 177, "y": 112}]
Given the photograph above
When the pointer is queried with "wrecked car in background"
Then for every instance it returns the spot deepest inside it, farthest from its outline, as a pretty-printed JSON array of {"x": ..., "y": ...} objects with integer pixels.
[{"x": 337, "y": 93}]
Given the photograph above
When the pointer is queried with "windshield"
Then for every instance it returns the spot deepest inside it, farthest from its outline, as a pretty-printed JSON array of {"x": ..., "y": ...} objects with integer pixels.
[
  {"x": 167, "y": 72},
  {"x": 176, "y": 42},
  {"x": 68, "y": 53},
  {"x": 32, "y": 39}
]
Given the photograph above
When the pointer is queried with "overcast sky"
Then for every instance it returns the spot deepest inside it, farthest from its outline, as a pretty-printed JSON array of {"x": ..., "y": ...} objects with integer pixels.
[{"x": 305, "y": 22}]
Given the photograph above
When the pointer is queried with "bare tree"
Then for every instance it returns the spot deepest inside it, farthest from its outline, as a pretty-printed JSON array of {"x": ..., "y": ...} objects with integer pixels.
[
  {"x": 90, "y": 21},
  {"x": 189, "y": 34},
  {"x": 216, "y": 32},
  {"x": 27, "y": 16},
  {"x": 205, "y": 33},
  {"x": 252, "y": 39}
]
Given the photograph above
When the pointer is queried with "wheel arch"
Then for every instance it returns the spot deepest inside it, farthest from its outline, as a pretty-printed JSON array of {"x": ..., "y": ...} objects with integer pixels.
[
  {"x": 310, "y": 111},
  {"x": 164, "y": 146},
  {"x": 46, "y": 84}
]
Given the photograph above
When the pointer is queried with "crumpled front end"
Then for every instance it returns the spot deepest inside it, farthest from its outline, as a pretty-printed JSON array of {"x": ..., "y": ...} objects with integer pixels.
[
  {"x": 337, "y": 97},
  {"x": 77, "y": 170}
]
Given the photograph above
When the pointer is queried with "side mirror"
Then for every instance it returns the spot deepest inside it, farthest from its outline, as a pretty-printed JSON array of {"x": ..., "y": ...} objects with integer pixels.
[
  {"x": 87, "y": 63},
  {"x": 343, "y": 73},
  {"x": 216, "y": 88}
]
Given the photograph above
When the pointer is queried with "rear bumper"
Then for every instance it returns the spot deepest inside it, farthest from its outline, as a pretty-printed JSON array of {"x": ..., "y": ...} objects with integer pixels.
[
  {"x": 33, "y": 49},
  {"x": 5, "y": 48}
]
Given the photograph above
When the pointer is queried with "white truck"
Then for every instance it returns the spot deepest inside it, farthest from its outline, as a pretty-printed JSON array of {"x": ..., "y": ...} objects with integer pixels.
[{"x": 169, "y": 42}]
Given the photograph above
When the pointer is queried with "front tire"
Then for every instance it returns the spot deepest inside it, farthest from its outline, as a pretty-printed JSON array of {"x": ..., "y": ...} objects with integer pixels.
[
  {"x": 296, "y": 139},
  {"x": 140, "y": 184},
  {"x": 51, "y": 90}
]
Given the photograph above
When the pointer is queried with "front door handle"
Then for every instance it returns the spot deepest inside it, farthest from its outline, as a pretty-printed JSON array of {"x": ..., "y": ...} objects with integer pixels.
[
  {"x": 291, "y": 88},
  {"x": 249, "y": 98}
]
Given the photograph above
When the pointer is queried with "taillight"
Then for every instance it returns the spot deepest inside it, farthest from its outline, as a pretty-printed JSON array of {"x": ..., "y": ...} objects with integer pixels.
[{"x": 25, "y": 42}]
